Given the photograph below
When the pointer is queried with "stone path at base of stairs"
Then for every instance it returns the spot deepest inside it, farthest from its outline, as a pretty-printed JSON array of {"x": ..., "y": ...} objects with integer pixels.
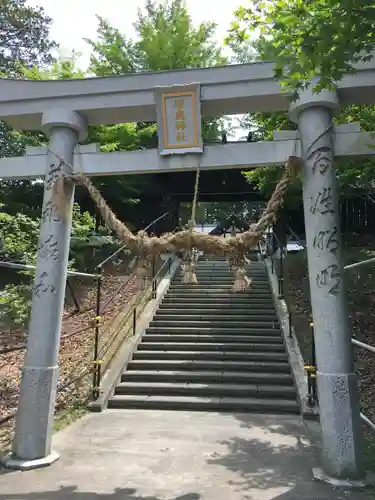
[{"x": 159, "y": 455}]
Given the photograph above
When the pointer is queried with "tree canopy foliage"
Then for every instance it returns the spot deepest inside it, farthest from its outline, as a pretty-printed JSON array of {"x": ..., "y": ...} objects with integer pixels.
[
  {"x": 166, "y": 40},
  {"x": 24, "y": 37},
  {"x": 320, "y": 39}
]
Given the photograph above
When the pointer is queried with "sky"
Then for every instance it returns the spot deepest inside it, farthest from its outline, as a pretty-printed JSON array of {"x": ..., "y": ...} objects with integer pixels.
[{"x": 74, "y": 20}]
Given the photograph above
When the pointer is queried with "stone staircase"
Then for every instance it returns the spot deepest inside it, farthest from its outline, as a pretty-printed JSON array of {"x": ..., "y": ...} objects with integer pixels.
[{"x": 210, "y": 349}]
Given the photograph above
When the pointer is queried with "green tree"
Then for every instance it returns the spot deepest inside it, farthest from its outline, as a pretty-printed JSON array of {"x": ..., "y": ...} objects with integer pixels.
[
  {"x": 19, "y": 235},
  {"x": 320, "y": 38},
  {"x": 274, "y": 43},
  {"x": 23, "y": 195},
  {"x": 166, "y": 39},
  {"x": 111, "y": 138},
  {"x": 24, "y": 37},
  {"x": 24, "y": 42}
]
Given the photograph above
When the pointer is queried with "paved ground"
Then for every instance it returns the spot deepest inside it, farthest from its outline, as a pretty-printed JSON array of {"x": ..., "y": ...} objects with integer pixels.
[{"x": 154, "y": 455}]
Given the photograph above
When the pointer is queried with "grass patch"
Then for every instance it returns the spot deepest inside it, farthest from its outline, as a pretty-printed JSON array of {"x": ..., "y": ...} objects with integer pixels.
[{"x": 68, "y": 416}]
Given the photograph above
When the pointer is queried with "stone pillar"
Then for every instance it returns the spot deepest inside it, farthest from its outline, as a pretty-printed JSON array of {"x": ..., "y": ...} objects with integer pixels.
[
  {"x": 34, "y": 424},
  {"x": 337, "y": 382}
]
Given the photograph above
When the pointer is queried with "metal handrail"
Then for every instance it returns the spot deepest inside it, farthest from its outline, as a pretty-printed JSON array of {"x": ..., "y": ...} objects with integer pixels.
[
  {"x": 294, "y": 234},
  {"x": 311, "y": 368},
  {"x": 26, "y": 267},
  {"x": 362, "y": 345},
  {"x": 367, "y": 421},
  {"x": 97, "y": 372},
  {"x": 280, "y": 273},
  {"x": 97, "y": 362},
  {"x": 133, "y": 309},
  {"x": 156, "y": 220},
  {"x": 361, "y": 263},
  {"x": 99, "y": 354},
  {"x": 110, "y": 257},
  {"x": 130, "y": 312},
  {"x": 371, "y": 349},
  {"x": 113, "y": 295},
  {"x": 365, "y": 262}
]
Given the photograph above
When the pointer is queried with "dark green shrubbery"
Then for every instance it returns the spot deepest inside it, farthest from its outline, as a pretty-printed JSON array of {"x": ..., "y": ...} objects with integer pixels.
[{"x": 18, "y": 243}]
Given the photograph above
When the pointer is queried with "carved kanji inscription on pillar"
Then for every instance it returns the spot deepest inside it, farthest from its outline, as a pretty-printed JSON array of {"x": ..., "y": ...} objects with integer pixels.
[
  {"x": 49, "y": 249},
  {"x": 43, "y": 286},
  {"x": 322, "y": 202},
  {"x": 50, "y": 213},
  {"x": 53, "y": 173},
  {"x": 330, "y": 278},
  {"x": 326, "y": 239},
  {"x": 321, "y": 160}
]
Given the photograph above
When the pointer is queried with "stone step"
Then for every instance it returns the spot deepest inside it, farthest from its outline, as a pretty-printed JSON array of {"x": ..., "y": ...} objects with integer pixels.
[
  {"x": 228, "y": 282},
  {"x": 227, "y": 301},
  {"x": 261, "y": 278},
  {"x": 228, "y": 311},
  {"x": 228, "y": 298},
  {"x": 226, "y": 271},
  {"x": 224, "y": 262},
  {"x": 195, "y": 295},
  {"x": 208, "y": 348},
  {"x": 207, "y": 376},
  {"x": 202, "y": 346},
  {"x": 179, "y": 364},
  {"x": 168, "y": 323},
  {"x": 177, "y": 338},
  {"x": 217, "y": 292},
  {"x": 213, "y": 306},
  {"x": 214, "y": 274},
  {"x": 212, "y": 277},
  {"x": 219, "y": 288},
  {"x": 229, "y": 318},
  {"x": 277, "y": 357},
  {"x": 253, "y": 264},
  {"x": 211, "y": 390},
  {"x": 226, "y": 404},
  {"x": 217, "y": 285},
  {"x": 214, "y": 330}
]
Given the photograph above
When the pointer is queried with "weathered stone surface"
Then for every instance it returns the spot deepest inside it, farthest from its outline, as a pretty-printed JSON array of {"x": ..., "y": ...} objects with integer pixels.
[{"x": 164, "y": 455}]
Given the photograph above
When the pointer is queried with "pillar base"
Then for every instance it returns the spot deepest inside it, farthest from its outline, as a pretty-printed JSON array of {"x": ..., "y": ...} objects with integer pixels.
[
  {"x": 15, "y": 463},
  {"x": 342, "y": 453},
  {"x": 355, "y": 484}
]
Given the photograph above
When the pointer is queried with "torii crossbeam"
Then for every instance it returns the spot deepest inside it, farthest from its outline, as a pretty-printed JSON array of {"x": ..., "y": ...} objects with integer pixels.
[{"x": 63, "y": 110}]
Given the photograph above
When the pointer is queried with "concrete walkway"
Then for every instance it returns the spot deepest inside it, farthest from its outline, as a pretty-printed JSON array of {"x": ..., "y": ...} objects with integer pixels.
[{"x": 159, "y": 455}]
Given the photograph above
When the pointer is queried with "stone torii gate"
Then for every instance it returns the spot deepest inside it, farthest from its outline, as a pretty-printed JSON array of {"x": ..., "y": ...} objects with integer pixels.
[{"x": 63, "y": 109}]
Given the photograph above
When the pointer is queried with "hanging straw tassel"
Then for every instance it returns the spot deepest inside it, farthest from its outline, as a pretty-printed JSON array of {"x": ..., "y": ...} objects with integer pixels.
[
  {"x": 242, "y": 281},
  {"x": 60, "y": 197},
  {"x": 237, "y": 265},
  {"x": 189, "y": 267},
  {"x": 189, "y": 276},
  {"x": 142, "y": 273},
  {"x": 191, "y": 259}
]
